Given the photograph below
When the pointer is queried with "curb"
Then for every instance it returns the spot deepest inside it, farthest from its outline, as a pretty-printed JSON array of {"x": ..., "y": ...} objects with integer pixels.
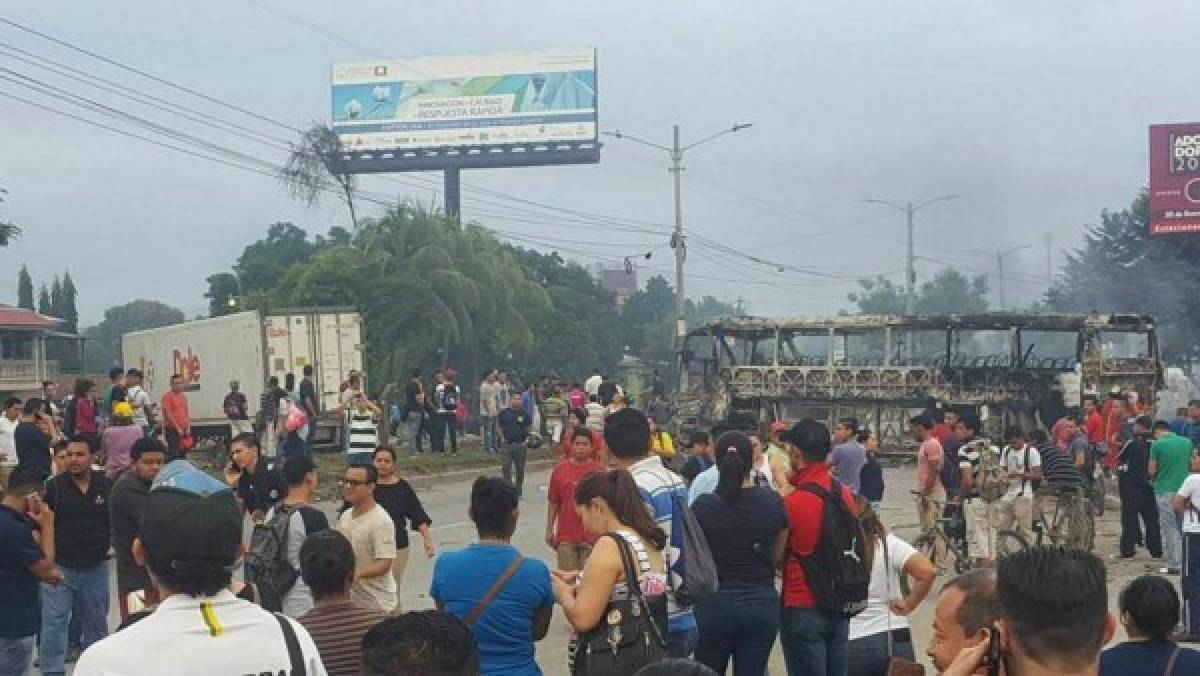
[{"x": 427, "y": 481}]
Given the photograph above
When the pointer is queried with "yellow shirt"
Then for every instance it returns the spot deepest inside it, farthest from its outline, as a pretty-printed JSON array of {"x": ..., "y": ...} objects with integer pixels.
[{"x": 661, "y": 444}]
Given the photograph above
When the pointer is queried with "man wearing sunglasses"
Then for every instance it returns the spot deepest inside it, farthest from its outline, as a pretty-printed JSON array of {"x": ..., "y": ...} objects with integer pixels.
[{"x": 372, "y": 535}]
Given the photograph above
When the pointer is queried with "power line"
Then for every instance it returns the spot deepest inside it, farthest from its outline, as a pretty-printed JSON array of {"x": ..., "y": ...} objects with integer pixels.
[
  {"x": 149, "y": 76},
  {"x": 64, "y": 70},
  {"x": 573, "y": 215}
]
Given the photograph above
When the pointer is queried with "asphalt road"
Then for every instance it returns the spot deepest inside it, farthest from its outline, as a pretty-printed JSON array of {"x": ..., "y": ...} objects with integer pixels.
[{"x": 446, "y": 503}]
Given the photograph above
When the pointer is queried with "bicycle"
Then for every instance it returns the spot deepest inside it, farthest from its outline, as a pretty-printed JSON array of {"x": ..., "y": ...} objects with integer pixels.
[
  {"x": 1071, "y": 524},
  {"x": 955, "y": 547}
]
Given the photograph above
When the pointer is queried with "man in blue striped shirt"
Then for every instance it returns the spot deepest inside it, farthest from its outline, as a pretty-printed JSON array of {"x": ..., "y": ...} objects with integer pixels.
[{"x": 627, "y": 434}]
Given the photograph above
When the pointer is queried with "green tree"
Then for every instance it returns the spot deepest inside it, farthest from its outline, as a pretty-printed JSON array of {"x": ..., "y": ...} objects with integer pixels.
[
  {"x": 430, "y": 291},
  {"x": 70, "y": 311},
  {"x": 223, "y": 294},
  {"x": 262, "y": 264},
  {"x": 314, "y": 168},
  {"x": 56, "y": 298},
  {"x": 104, "y": 339},
  {"x": 44, "y": 304},
  {"x": 24, "y": 289},
  {"x": 948, "y": 292},
  {"x": 1121, "y": 268}
]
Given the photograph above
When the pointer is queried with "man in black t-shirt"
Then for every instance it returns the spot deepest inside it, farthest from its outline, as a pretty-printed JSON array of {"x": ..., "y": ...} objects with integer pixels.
[
  {"x": 1137, "y": 493},
  {"x": 79, "y": 498},
  {"x": 258, "y": 486},
  {"x": 235, "y": 408}
]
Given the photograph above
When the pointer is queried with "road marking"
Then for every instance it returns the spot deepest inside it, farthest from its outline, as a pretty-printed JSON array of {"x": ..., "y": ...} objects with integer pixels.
[{"x": 456, "y": 524}]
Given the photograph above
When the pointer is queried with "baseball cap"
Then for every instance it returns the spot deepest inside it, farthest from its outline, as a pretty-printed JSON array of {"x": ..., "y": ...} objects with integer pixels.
[
  {"x": 122, "y": 409},
  {"x": 190, "y": 517}
]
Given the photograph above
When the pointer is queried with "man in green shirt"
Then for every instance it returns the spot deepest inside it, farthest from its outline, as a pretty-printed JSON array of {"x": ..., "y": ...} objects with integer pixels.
[{"x": 1170, "y": 462}]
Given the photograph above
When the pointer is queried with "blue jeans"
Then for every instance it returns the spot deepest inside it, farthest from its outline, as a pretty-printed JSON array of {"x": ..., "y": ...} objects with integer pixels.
[
  {"x": 868, "y": 656},
  {"x": 413, "y": 429},
  {"x": 16, "y": 656},
  {"x": 682, "y": 644},
  {"x": 487, "y": 427},
  {"x": 1191, "y": 583},
  {"x": 1172, "y": 531},
  {"x": 740, "y": 624},
  {"x": 814, "y": 641},
  {"x": 85, "y": 589}
]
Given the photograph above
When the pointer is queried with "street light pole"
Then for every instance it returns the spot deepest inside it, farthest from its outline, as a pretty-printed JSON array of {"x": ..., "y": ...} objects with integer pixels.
[
  {"x": 678, "y": 241},
  {"x": 909, "y": 211}
]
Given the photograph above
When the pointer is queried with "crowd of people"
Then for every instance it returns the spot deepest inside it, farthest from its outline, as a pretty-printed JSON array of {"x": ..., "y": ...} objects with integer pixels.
[{"x": 668, "y": 557}]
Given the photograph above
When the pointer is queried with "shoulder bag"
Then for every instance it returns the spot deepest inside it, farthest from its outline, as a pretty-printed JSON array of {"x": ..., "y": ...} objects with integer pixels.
[
  {"x": 896, "y": 666},
  {"x": 630, "y": 633},
  {"x": 497, "y": 586}
]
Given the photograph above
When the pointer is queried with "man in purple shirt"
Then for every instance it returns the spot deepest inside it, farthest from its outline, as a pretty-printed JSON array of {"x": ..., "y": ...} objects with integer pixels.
[{"x": 848, "y": 456}]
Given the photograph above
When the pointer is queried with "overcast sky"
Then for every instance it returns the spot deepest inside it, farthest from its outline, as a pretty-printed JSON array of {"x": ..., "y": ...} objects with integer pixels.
[{"x": 1034, "y": 114}]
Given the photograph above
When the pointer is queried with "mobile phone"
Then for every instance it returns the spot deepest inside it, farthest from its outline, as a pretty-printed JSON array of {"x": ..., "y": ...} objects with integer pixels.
[{"x": 992, "y": 660}]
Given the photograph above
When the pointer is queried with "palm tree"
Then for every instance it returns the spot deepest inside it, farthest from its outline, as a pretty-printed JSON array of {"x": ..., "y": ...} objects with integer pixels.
[{"x": 9, "y": 232}]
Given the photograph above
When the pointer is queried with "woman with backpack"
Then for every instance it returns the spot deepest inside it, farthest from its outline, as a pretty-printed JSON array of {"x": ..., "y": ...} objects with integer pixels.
[
  {"x": 746, "y": 529},
  {"x": 881, "y": 631},
  {"x": 604, "y": 600}
]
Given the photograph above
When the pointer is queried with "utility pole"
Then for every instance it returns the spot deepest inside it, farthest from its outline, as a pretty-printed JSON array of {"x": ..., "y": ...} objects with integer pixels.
[
  {"x": 678, "y": 241},
  {"x": 909, "y": 211},
  {"x": 998, "y": 256}
]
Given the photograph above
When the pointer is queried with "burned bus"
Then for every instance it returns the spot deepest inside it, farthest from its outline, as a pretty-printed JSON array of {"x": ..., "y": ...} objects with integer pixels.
[{"x": 1026, "y": 369}]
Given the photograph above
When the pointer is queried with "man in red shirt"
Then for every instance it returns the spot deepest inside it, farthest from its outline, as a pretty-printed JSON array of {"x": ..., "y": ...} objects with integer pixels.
[
  {"x": 176, "y": 421},
  {"x": 569, "y": 540},
  {"x": 813, "y": 640}
]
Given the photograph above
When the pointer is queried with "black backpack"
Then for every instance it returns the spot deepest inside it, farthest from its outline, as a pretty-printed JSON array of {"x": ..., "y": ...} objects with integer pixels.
[
  {"x": 839, "y": 569},
  {"x": 950, "y": 473},
  {"x": 266, "y": 565}
]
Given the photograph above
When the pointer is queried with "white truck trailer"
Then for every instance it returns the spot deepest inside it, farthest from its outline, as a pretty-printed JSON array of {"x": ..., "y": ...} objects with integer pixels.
[{"x": 248, "y": 347}]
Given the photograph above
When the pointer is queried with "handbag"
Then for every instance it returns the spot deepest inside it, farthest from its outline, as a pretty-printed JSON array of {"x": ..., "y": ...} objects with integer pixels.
[
  {"x": 630, "y": 632},
  {"x": 897, "y": 666}
]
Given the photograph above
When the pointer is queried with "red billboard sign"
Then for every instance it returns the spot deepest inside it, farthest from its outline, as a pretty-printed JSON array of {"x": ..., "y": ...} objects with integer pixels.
[{"x": 1174, "y": 179}]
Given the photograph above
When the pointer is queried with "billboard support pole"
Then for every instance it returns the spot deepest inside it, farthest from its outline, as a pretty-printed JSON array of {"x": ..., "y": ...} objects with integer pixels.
[{"x": 453, "y": 191}]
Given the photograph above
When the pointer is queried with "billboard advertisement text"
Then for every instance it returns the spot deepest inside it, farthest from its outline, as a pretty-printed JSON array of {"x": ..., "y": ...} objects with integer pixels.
[
  {"x": 1174, "y": 179},
  {"x": 486, "y": 100}
]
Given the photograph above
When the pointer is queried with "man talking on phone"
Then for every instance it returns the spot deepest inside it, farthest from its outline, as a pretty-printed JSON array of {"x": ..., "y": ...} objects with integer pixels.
[{"x": 1054, "y": 617}]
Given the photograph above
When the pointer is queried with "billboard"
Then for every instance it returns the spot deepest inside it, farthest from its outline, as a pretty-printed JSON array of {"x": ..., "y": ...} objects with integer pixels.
[
  {"x": 483, "y": 101},
  {"x": 1174, "y": 179}
]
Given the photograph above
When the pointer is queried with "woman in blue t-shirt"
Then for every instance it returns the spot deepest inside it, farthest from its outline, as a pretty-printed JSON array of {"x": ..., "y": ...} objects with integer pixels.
[
  {"x": 519, "y": 614},
  {"x": 1149, "y": 610}
]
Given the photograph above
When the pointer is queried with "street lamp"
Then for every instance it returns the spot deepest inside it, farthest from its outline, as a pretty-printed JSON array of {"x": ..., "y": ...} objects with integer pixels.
[
  {"x": 676, "y": 152},
  {"x": 909, "y": 210}
]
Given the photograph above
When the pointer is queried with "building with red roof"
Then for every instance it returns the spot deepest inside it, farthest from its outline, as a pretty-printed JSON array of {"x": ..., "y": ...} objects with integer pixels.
[{"x": 24, "y": 335}]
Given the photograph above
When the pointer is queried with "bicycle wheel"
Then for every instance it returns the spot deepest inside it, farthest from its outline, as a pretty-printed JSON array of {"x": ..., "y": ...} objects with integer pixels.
[
  {"x": 1081, "y": 528},
  {"x": 1009, "y": 542},
  {"x": 1099, "y": 489}
]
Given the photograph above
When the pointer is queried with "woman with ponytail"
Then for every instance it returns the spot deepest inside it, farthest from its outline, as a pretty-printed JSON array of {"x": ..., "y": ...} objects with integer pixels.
[
  {"x": 612, "y": 511},
  {"x": 746, "y": 528}
]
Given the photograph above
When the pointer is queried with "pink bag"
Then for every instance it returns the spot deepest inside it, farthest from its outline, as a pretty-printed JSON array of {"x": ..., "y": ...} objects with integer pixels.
[{"x": 296, "y": 418}]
